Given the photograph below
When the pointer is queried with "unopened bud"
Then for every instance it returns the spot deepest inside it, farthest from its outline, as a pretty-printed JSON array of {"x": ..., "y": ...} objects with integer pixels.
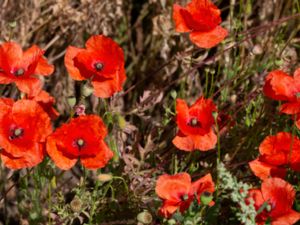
[
  {"x": 71, "y": 101},
  {"x": 144, "y": 217},
  {"x": 206, "y": 198},
  {"x": 105, "y": 177}
]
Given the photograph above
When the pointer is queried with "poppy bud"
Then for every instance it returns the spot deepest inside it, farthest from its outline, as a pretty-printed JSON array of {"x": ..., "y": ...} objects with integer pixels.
[
  {"x": 76, "y": 204},
  {"x": 71, "y": 101},
  {"x": 171, "y": 221},
  {"x": 105, "y": 177},
  {"x": 206, "y": 198},
  {"x": 144, "y": 217}
]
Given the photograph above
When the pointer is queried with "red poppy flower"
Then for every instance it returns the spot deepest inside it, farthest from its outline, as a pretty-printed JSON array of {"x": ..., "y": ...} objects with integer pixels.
[
  {"x": 283, "y": 87},
  {"x": 276, "y": 153},
  {"x": 24, "y": 127},
  {"x": 83, "y": 138},
  {"x": 46, "y": 101},
  {"x": 275, "y": 201},
  {"x": 102, "y": 62},
  {"x": 21, "y": 67},
  {"x": 201, "y": 18},
  {"x": 195, "y": 125},
  {"x": 178, "y": 191}
]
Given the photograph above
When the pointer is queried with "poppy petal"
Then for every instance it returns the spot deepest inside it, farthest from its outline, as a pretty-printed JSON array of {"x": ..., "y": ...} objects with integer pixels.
[
  {"x": 264, "y": 170},
  {"x": 210, "y": 38},
  {"x": 290, "y": 108},
  {"x": 5, "y": 79},
  {"x": 180, "y": 24},
  {"x": 183, "y": 142},
  {"x": 271, "y": 144},
  {"x": 35, "y": 157},
  {"x": 46, "y": 101},
  {"x": 31, "y": 57},
  {"x": 11, "y": 55},
  {"x": 204, "y": 184},
  {"x": 43, "y": 67},
  {"x": 31, "y": 86},
  {"x": 205, "y": 142},
  {"x": 74, "y": 72},
  {"x": 280, "y": 194},
  {"x": 60, "y": 160},
  {"x": 182, "y": 114},
  {"x": 105, "y": 88},
  {"x": 289, "y": 218},
  {"x": 168, "y": 208},
  {"x": 279, "y": 86},
  {"x": 100, "y": 160},
  {"x": 172, "y": 187},
  {"x": 33, "y": 110},
  {"x": 257, "y": 197}
]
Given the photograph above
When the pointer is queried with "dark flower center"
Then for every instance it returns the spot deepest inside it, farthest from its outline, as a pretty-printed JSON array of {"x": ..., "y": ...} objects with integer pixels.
[
  {"x": 206, "y": 194},
  {"x": 19, "y": 72},
  {"x": 80, "y": 143},
  {"x": 194, "y": 123},
  {"x": 184, "y": 197},
  {"x": 98, "y": 66},
  {"x": 16, "y": 133}
]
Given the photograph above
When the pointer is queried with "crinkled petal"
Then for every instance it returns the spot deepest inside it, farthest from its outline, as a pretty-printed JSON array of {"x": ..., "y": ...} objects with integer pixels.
[
  {"x": 4, "y": 79},
  {"x": 30, "y": 86},
  {"x": 180, "y": 24},
  {"x": 172, "y": 187},
  {"x": 74, "y": 72},
  {"x": 35, "y": 157},
  {"x": 168, "y": 208},
  {"x": 183, "y": 142},
  {"x": 60, "y": 160},
  {"x": 100, "y": 160},
  {"x": 204, "y": 184},
  {"x": 43, "y": 67},
  {"x": 105, "y": 88},
  {"x": 210, "y": 38},
  {"x": 290, "y": 108},
  {"x": 264, "y": 170},
  {"x": 279, "y": 194},
  {"x": 279, "y": 86},
  {"x": 291, "y": 217},
  {"x": 11, "y": 55},
  {"x": 205, "y": 142}
]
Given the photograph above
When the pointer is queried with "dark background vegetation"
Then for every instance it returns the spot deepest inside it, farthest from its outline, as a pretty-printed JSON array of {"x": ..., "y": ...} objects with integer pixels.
[{"x": 161, "y": 65}]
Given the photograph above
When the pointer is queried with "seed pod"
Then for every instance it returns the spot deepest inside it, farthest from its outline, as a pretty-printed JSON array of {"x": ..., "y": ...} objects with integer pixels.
[
  {"x": 76, "y": 204},
  {"x": 144, "y": 217}
]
